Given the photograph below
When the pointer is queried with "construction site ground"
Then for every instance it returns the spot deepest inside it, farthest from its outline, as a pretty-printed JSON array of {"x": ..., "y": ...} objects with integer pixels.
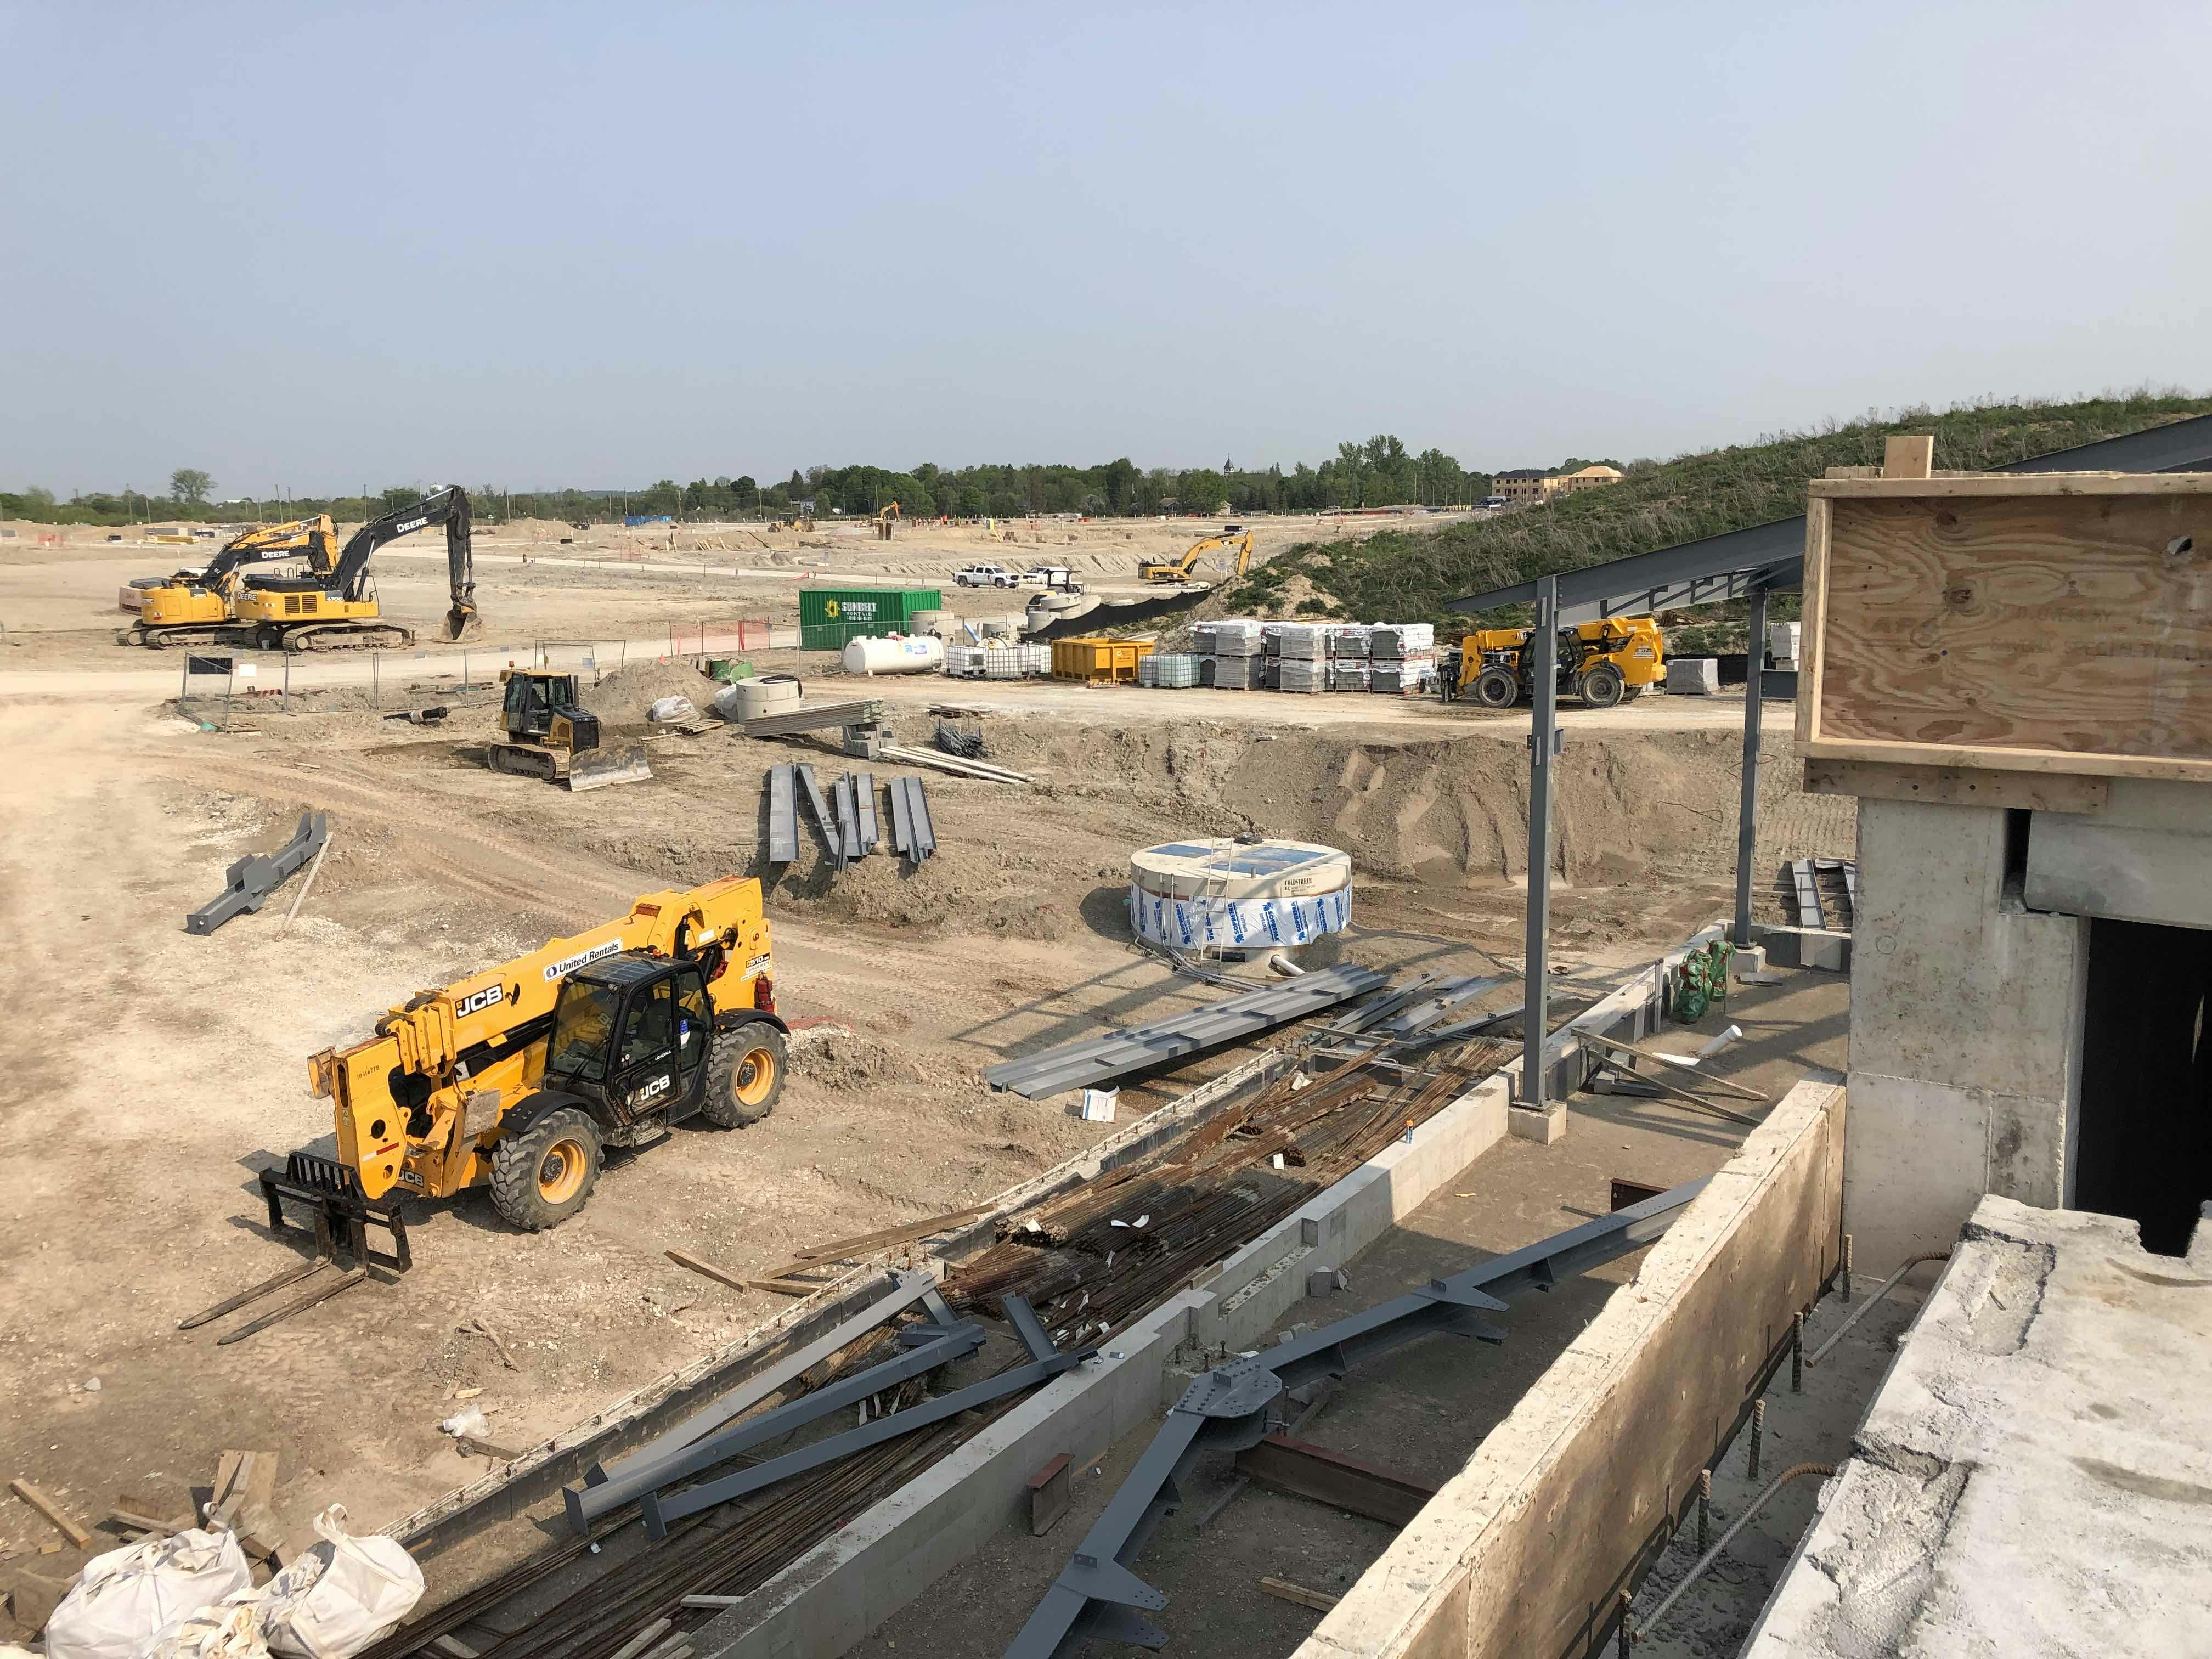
[
  {"x": 1418, "y": 1413},
  {"x": 152, "y": 1071}
]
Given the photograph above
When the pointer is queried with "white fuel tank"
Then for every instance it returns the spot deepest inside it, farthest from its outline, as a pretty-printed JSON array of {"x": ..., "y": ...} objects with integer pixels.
[{"x": 911, "y": 654}]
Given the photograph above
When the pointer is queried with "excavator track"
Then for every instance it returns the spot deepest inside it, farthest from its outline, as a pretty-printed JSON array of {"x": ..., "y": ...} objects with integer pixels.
[{"x": 348, "y": 637}]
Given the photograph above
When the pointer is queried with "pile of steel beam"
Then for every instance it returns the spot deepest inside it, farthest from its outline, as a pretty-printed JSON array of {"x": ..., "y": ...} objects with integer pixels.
[
  {"x": 912, "y": 831},
  {"x": 814, "y": 717},
  {"x": 1085, "y": 1064}
]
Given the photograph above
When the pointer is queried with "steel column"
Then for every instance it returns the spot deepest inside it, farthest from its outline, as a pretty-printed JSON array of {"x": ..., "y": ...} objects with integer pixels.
[
  {"x": 1543, "y": 749},
  {"x": 1747, "y": 829}
]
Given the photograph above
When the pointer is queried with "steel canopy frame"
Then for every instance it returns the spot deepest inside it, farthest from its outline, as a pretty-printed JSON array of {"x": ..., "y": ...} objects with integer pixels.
[{"x": 1226, "y": 1410}]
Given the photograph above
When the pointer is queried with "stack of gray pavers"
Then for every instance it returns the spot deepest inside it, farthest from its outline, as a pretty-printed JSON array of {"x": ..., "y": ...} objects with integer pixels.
[
  {"x": 1237, "y": 644},
  {"x": 1348, "y": 645},
  {"x": 1302, "y": 653},
  {"x": 1696, "y": 677},
  {"x": 1403, "y": 656}
]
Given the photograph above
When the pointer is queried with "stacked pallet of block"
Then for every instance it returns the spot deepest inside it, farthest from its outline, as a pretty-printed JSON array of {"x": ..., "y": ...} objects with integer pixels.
[
  {"x": 1300, "y": 652},
  {"x": 1349, "y": 669},
  {"x": 1402, "y": 659},
  {"x": 1238, "y": 648}
]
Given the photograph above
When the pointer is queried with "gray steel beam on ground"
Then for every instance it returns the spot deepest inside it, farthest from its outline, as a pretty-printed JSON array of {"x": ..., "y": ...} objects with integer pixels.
[
  {"x": 820, "y": 808},
  {"x": 250, "y": 880},
  {"x": 1543, "y": 749},
  {"x": 848, "y": 821},
  {"x": 1079, "y": 1064},
  {"x": 902, "y": 827},
  {"x": 586, "y": 1504},
  {"x": 659, "y": 1511},
  {"x": 1097, "y": 1595},
  {"x": 1776, "y": 550},
  {"x": 783, "y": 814},
  {"x": 1747, "y": 829},
  {"x": 905, "y": 1290},
  {"x": 921, "y": 830},
  {"x": 864, "y": 797}
]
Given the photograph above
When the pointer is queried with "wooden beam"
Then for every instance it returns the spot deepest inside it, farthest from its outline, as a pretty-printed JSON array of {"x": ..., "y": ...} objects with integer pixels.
[
  {"x": 1908, "y": 458},
  {"x": 63, "y": 1522},
  {"x": 2035, "y": 792},
  {"x": 735, "y": 1280},
  {"x": 1284, "y": 1591},
  {"x": 843, "y": 1249}
]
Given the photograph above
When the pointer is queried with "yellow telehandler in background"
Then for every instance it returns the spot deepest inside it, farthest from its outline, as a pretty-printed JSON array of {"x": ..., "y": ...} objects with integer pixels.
[{"x": 1601, "y": 662}]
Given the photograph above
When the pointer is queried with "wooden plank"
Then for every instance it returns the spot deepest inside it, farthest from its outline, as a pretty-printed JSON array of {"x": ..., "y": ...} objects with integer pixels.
[
  {"x": 783, "y": 1286},
  {"x": 2035, "y": 792},
  {"x": 1960, "y": 486},
  {"x": 1908, "y": 458},
  {"x": 736, "y": 1281},
  {"x": 2066, "y": 632},
  {"x": 1283, "y": 1589},
  {"x": 1050, "y": 1495},
  {"x": 2052, "y": 762},
  {"x": 1807, "y": 700},
  {"x": 63, "y": 1522}
]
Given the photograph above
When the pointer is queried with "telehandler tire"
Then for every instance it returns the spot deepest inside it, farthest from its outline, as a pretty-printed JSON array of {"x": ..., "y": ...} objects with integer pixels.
[
  {"x": 1602, "y": 686},
  {"x": 541, "y": 1175},
  {"x": 745, "y": 1075},
  {"x": 1496, "y": 688}
]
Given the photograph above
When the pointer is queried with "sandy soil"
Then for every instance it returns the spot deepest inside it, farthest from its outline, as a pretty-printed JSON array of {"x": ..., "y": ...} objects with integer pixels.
[{"x": 150, "y": 1071}]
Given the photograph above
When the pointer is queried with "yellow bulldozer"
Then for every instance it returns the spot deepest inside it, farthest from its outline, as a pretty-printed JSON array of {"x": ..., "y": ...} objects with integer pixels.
[
  {"x": 1600, "y": 662},
  {"x": 550, "y": 734},
  {"x": 516, "y": 1078},
  {"x": 1179, "y": 569}
]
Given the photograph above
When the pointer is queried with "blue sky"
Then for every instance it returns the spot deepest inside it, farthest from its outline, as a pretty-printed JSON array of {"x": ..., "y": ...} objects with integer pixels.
[{"x": 321, "y": 246}]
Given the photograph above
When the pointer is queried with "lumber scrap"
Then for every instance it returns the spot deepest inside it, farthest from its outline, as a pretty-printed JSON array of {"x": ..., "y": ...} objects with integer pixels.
[
  {"x": 699, "y": 1265},
  {"x": 846, "y": 1249},
  {"x": 63, "y": 1522},
  {"x": 1284, "y": 1591}
]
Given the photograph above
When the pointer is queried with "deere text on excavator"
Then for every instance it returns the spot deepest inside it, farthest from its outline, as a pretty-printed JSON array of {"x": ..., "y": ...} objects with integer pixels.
[
  {"x": 516, "y": 1078},
  {"x": 1601, "y": 662},
  {"x": 200, "y": 607},
  {"x": 1179, "y": 568}
]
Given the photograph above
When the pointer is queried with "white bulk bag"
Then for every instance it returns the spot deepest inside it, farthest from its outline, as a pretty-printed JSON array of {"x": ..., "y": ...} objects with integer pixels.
[
  {"x": 125, "y": 1601},
  {"x": 341, "y": 1596}
]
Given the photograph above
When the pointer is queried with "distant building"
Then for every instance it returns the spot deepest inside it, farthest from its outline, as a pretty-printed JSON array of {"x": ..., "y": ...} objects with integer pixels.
[{"x": 1530, "y": 486}]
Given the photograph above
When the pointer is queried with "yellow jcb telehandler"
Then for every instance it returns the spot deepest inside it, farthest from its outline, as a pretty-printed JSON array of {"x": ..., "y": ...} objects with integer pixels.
[
  {"x": 515, "y": 1079},
  {"x": 1600, "y": 662}
]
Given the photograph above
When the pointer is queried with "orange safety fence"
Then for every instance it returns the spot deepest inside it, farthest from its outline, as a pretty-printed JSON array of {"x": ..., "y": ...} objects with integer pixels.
[{"x": 707, "y": 639}]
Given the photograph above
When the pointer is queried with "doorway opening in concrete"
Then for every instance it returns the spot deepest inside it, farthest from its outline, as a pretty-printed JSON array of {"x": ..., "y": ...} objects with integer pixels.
[{"x": 2145, "y": 1146}]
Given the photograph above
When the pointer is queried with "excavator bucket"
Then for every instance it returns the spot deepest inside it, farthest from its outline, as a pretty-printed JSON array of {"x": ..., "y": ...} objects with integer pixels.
[
  {"x": 595, "y": 769},
  {"x": 462, "y": 623}
]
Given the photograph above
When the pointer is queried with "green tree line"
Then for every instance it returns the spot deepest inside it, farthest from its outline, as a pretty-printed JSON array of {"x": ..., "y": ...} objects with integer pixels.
[{"x": 1378, "y": 472}]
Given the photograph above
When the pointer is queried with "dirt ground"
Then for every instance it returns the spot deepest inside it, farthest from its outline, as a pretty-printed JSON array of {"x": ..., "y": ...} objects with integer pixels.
[{"x": 150, "y": 1072}]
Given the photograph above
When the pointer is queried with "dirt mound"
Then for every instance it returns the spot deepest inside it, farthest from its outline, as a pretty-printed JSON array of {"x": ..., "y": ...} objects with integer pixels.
[
  {"x": 622, "y": 698},
  {"x": 840, "y": 1059}
]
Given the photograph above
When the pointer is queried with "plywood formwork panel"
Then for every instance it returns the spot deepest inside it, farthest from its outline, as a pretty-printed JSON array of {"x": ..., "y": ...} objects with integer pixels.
[{"x": 1976, "y": 622}]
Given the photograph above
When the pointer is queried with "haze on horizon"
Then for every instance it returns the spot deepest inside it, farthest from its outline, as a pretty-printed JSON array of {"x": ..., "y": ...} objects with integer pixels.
[{"x": 325, "y": 249}]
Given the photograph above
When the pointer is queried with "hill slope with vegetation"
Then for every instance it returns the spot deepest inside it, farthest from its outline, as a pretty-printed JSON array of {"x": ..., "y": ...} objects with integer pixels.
[{"x": 1411, "y": 575}]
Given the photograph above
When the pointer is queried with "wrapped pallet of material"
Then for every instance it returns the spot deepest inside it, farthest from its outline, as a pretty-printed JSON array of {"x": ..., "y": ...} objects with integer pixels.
[
  {"x": 1231, "y": 637},
  {"x": 1349, "y": 673},
  {"x": 1404, "y": 677},
  {"x": 1236, "y": 674},
  {"x": 1304, "y": 641},
  {"x": 1403, "y": 639},
  {"x": 1696, "y": 677},
  {"x": 1350, "y": 640},
  {"x": 1271, "y": 674},
  {"x": 1302, "y": 674}
]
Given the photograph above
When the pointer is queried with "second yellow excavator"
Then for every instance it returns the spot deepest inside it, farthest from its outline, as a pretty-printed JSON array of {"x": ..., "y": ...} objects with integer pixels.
[
  {"x": 200, "y": 607},
  {"x": 1179, "y": 569}
]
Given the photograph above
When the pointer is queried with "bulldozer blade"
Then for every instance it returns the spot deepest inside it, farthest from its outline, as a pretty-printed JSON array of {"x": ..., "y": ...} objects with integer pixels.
[{"x": 598, "y": 767}]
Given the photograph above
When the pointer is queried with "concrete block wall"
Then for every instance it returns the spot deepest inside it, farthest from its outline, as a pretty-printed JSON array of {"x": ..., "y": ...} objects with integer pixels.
[{"x": 1965, "y": 1040}]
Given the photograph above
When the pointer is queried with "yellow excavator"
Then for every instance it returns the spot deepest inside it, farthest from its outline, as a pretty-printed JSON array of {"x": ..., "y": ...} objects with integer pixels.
[
  {"x": 516, "y": 1078},
  {"x": 886, "y": 517},
  {"x": 339, "y": 610},
  {"x": 1179, "y": 569},
  {"x": 199, "y": 607}
]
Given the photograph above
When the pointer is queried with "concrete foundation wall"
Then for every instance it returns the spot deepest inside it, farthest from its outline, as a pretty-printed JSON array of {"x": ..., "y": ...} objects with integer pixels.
[
  {"x": 1965, "y": 1043},
  {"x": 1522, "y": 1553}
]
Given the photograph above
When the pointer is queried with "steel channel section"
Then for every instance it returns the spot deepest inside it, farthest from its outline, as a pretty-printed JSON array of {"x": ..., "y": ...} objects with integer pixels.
[
  {"x": 1776, "y": 551},
  {"x": 659, "y": 1510},
  {"x": 848, "y": 821},
  {"x": 819, "y": 807},
  {"x": 1226, "y": 1410},
  {"x": 1746, "y": 828},
  {"x": 907, "y": 1289},
  {"x": 864, "y": 796},
  {"x": 783, "y": 814},
  {"x": 1543, "y": 749},
  {"x": 587, "y": 1504},
  {"x": 1118, "y": 1052},
  {"x": 902, "y": 828},
  {"x": 924, "y": 828}
]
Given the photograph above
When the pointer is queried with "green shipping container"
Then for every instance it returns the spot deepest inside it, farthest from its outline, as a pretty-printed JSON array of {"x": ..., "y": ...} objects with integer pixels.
[{"x": 829, "y": 616}]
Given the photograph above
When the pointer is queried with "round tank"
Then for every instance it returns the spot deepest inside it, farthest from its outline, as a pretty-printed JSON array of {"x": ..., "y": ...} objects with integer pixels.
[
  {"x": 932, "y": 621},
  {"x": 1239, "y": 896},
  {"x": 767, "y": 695},
  {"x": 907, "y": 654}
]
